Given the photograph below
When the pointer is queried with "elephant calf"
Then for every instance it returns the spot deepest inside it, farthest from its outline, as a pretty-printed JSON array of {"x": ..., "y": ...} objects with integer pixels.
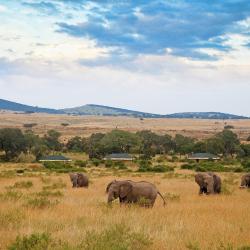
[
  {"x": 128, "y": 191},
  {"x": 245, "y": 181},
  {"x": 79, "y": 180},
  {"x": 209, "y": 183}
]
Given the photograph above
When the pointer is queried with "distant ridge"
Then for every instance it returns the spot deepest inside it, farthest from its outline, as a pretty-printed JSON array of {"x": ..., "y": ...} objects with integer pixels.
[
  {"x": 17, "y": 107},
  {"x": 205, "y": 115},
  {"x": 93, "y": 109}
]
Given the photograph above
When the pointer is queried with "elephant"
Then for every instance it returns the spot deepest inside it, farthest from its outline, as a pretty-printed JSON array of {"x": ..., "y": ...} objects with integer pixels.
[
  {"x": 245, "y": 181},
  {"x": 79, "y": 180},
  {"x": 129, "y": 191},
  {"x": 209, "y": 183}
]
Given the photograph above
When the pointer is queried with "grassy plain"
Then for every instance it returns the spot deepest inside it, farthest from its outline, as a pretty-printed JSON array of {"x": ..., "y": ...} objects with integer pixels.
[
  {"x": 80, "y": 218},
  {"x": 86, "y": 125}
]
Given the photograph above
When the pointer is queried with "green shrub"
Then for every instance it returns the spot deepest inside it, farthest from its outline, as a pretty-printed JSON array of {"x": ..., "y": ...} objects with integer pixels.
[
  {"x": 56, "y": 185},
  {"x": 81, "y": 164},
  {"x": 32, "y": 242},
  {"x": 60, "y": 167},
  {"x": 120, "y": 165},
  {"x": 162, "y": 169},
  {"x": 11, "y": 195},
  {"x": 11, "y": 219},
  {"x": 96, "y": 162},
  {"x": 108, "y": 164},
  {"x": 213, "y": 167},
  {"x": 47, "y": 193},
  {"x": 246, "y": 164},
  {"x": 41, "y": 202},
  {"x": 117, "y": 237},
  {"x": 188, "y": 166},
  {"x": 238, "y": 170},
  {"x": 23, "y": 184}
]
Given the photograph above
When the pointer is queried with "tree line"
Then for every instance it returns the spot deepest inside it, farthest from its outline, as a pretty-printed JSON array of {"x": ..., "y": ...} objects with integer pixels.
[{"x": 13, "y": 142}]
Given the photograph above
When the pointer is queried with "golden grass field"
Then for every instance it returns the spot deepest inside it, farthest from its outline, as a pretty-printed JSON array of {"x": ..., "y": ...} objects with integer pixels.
[
  {"x": 188, "y": 221},
  {"x": 86, "y": 125}
]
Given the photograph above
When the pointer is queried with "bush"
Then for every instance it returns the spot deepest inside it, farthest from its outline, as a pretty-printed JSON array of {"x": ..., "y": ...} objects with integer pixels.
[
  {"x": 120, "y": 165},
  {"x": 213, "y": 167},
  {"x": 188, "y": 166},
  {"x": 32, "y": 242},
  {"x": 146, "y": 166},
  {"x": 118, "y": 237},
  {"x": 41, "y": 202},
  {"x": 11, "y": 195},
  {"x": 23, "y": 184},
  {"x": 81, "y": 164},
  {"x": 246, "y": 164},
  {"x": 96, "y": 162},
  {"x": 108, "y": 163},
  {"x": 26, "y": 158},
  {"x": 60, "y": 167}
]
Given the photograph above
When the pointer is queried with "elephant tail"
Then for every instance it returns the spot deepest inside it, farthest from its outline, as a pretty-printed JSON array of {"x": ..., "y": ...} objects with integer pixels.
[{"x": 164, "y": 202}]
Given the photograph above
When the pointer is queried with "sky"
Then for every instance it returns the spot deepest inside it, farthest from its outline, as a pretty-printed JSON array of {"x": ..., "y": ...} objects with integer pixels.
[{"x": 159, "y": 56}]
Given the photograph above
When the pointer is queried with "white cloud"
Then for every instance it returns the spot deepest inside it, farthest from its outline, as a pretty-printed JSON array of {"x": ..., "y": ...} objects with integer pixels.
[{"x": 3, "y": 8}]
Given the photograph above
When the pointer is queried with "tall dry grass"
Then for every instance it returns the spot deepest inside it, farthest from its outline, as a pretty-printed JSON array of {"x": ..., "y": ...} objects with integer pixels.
[{"x": 189, "y": 221}]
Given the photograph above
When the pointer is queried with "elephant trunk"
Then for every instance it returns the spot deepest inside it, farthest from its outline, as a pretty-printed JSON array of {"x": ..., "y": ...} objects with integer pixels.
[{"x": 110, "y": 197}]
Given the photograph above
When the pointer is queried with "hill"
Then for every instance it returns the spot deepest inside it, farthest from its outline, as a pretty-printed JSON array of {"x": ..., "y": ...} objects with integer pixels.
[
  {"x": 93, "y": 109},
  {"x": 17, "y": 107},
  {"x": 205, "y": 115}
]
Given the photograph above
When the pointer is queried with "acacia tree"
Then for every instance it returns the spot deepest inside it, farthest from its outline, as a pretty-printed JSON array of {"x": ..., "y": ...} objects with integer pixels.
[
  {"x": 51, "y": 140},
  {"x": 12, "y": 142}
]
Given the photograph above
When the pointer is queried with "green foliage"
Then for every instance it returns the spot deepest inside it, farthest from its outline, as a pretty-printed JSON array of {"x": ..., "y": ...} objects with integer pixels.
[
  {"x": 119, "y": 165},
  {"x": 23, "y": 184},
  {"x": 96, "y": 162},
  {"x": 41, "y": 202},
  {"x": 51, "y": 140},
  {"x": 76, "y": 144},
  {"x": 108, "y": 163},
  {"x": 183, "y": 144},
  {"x": 117, "y": 237},
  {"x": 211, "y": 166},
  {"x": 146, "y": 166},
  {"x": 81, "y": 164},
  {"x": 12, "y": 142},
  {"x": 48, "y": 193},
  {"x": 60, "y": 167},
  {"x": 32, "y": 242},
  {"x": 11, "y": 219},
  {"x": 188, "y": 166},
  {"x": 11, "y": 195},
  {"x": 246, "y": 165}
]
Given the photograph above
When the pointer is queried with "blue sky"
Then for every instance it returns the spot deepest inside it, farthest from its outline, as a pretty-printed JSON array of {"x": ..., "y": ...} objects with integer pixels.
[{"x": 155, "y": 56}]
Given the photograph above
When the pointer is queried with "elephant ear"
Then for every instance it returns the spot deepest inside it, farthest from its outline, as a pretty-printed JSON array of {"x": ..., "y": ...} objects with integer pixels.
[
  {"x": 108, "y": 186},
  {"x": 125, "y": 189},
  {"x": 209, "y": 180}
]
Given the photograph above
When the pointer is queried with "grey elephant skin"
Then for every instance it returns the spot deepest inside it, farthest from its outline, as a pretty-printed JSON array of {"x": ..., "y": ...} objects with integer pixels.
[
  {"x": 245, "y": 181},
  {"x": 79, "y": 180},
  {"x": 128, "y": 191},
  {"x": 208, "y": 182}
]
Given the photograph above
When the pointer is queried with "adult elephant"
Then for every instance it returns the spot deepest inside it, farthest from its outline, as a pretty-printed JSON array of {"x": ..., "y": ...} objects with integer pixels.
[
  {"x": 208, "y": 182},
  {"x": 79, "y": 180},
  {"x": 128, "y": 191},
  {"x": 245, "y": 181}
]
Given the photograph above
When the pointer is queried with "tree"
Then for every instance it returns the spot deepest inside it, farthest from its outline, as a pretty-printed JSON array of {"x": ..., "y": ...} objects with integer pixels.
[
  {"x": 35, "y": 145},
  {"x": 230, "y": 141},
  {"x": 183, "y": 144},
  {"x": 12, "y": 142},
  {"x": 119, "y": 141},
  {"x": 94, "y": 148},
  {"x": 52, "y": 140},
  {"x": 215, "y": 145},
  {"x": 246, "y": 149},
  {"x": 76, "y": 144}
]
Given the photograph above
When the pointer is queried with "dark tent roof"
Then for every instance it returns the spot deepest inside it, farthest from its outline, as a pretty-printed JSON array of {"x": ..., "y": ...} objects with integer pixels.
[
  {"x": 54, "y": 158},
  {"x": 203, "y": 156}
]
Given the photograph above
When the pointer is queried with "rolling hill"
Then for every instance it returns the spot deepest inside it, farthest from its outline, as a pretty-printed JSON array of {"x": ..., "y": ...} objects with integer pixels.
[
  {"x": 93, "y": 109},
  {"x": 17, "y": 107}
]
